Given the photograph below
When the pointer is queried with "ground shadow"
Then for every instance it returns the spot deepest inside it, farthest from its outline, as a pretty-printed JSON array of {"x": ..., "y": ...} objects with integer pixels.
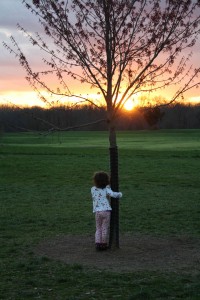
[{"x": 137, "y": 253}]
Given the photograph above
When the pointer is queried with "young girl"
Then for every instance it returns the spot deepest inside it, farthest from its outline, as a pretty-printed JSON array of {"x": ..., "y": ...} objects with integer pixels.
[{"x": 101, "y": 194}]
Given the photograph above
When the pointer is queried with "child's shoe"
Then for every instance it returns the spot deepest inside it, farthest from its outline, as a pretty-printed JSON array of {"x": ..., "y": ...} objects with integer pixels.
[
  {"x": 103, "y": 246},
  {"x": 98, "y": 246}
]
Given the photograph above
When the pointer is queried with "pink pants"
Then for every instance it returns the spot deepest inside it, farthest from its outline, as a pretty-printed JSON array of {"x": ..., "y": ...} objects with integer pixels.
[{"x": 102, "y": 226}]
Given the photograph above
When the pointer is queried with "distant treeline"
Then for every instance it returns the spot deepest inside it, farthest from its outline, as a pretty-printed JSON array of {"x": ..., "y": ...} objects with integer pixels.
[{"x": 39, "y": 119}]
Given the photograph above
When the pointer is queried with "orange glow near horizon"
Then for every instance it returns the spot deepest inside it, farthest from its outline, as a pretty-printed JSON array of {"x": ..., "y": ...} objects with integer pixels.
[
  {"x": 30, "y": 98},
  {"x": 130, "y": 104},
  {"x": 21, "y": 99}
]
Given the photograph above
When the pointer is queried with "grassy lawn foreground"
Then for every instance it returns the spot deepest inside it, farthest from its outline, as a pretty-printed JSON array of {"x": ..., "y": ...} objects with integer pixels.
[{"x": 45, "y": 192}]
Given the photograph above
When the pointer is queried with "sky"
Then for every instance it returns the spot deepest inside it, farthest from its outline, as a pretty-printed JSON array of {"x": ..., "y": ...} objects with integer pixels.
[{"x": 13, "y": 86}]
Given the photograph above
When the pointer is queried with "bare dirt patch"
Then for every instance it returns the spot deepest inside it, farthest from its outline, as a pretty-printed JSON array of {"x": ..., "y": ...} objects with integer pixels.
[{"x": 136, "y": 253}]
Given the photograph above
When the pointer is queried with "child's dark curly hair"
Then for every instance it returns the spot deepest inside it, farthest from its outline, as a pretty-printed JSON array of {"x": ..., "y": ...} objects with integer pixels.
[{"x": 101, "y": 179}]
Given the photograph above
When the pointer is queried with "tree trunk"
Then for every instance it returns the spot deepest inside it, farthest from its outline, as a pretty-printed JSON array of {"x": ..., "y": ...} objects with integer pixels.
[{"x": 114, "y": 222}]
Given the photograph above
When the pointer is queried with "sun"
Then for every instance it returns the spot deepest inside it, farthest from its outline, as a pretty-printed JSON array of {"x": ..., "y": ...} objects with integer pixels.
[{"x": 129, "y": 105}]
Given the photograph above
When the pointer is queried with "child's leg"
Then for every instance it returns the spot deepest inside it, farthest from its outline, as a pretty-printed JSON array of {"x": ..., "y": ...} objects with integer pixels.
[
  {"x": 98, "y": 234},
  {"x": 105, "y": 226}
]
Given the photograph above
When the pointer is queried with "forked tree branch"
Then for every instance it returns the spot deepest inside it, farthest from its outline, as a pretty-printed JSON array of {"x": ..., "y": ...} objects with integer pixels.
[{"x": 116, "y": 44}]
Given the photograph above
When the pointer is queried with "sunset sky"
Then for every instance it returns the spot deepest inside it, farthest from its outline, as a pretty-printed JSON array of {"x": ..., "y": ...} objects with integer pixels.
[{"x": 13, "y": 86}]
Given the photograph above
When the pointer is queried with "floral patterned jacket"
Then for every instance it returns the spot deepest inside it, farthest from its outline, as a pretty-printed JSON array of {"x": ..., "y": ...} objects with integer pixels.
[{"x": 101, "y": 198}]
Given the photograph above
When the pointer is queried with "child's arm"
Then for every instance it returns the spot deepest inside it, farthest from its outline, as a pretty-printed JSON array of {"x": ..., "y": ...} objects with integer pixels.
[{"x": 113, "y": 194}]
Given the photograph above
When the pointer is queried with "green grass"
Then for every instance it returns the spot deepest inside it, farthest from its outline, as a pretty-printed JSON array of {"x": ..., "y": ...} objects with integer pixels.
[{"x": 45, "y": 191}]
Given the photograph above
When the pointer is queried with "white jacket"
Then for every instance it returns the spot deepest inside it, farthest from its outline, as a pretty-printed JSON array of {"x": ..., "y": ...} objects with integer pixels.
[{"x": 101, "y": 198}]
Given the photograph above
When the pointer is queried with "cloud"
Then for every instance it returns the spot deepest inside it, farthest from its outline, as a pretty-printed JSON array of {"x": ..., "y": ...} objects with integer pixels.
[
  {"x": 13, "y": 12},
  {"x": 12, "y": 75}
]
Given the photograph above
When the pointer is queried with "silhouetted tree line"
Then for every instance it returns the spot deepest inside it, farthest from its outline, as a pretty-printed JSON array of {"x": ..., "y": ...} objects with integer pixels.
[{"x": 181, "y": 116}]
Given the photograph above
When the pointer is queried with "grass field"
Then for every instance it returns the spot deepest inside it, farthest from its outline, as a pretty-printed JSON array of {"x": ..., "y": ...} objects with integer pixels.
[{"x": 45, "y": 192}]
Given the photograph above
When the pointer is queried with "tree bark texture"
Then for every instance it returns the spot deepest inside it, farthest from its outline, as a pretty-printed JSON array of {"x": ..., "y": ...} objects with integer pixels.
[{"x": 114, "y": 222}]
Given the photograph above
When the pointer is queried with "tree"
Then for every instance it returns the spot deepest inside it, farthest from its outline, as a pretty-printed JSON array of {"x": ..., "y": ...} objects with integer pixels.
[
  {"x": 153, "y": 115},
  {"x": 119, "y": 48}
]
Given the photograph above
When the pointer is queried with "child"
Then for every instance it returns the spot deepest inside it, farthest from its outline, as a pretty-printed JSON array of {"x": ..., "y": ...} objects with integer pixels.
[{"x": 101, "y": 193}]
